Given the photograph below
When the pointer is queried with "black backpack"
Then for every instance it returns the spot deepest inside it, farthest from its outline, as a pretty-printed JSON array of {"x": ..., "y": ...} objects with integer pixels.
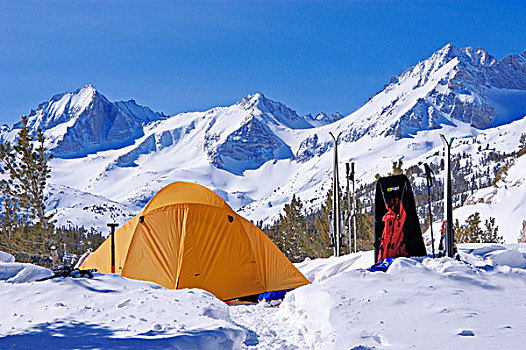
[{"x": 396, "y": 225}]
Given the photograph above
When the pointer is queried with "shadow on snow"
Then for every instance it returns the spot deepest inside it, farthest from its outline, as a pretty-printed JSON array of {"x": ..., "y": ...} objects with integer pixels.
[{"x": 78, "y": 335}]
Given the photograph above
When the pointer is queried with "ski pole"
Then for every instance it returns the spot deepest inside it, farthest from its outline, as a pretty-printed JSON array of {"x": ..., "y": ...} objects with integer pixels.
[{"x": 429, "y": 172}]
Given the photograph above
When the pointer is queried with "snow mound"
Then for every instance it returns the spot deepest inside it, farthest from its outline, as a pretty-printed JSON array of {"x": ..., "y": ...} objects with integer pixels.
[
  {"x": 512, "y": 258},
  {"x": 110, "y": 312},
  {"x": 21, "y": 273},
  {"x": 420, "y": 303},
  {"x": 6, "y": 257},
  {"x": 320, "y": 269},
  {"x": 496, "y": 255}
]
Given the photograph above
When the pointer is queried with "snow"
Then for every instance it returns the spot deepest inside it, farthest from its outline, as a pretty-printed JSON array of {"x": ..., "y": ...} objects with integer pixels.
[
  {"x": 256, "y": 153},
  {"x": 512, "y": 258},
  {"x": 419, "y": 303},
  {"x": 110, "y": 311},
  {"x": 6, "y": 257},
  {"x": 12, "y": 272},
  {"x": 75, "y": 208},
  {"x": 506, "y": 202},
  {"x": 318, "y": 270},
  {"x": 509, "y": 104},
  {"x": 114, "y": 184}
]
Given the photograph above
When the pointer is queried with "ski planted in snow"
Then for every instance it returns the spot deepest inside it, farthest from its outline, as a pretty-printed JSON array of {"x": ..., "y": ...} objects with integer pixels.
[
  {"x": 429, "y": 178},
  {"x": 449, "y": 240}
]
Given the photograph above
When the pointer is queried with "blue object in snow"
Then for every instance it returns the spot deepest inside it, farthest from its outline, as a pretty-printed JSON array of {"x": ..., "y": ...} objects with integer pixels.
[
  {"x": 273, "y": 295},
  {"x": 382, "y": 265}
]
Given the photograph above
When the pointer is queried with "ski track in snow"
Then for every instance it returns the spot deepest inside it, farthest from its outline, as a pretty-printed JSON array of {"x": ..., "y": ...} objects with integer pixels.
[{"x": 420, "y": 303}]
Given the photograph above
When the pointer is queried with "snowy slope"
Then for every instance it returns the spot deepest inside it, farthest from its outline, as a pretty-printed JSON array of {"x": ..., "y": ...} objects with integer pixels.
[
  {"x": 71, "y": 207},
  {"x": 454, "y": 84},
  {"x": 257, "y": 152},
  {"x": 419, "y": 303},
  {"x": 506, "y": 202}
]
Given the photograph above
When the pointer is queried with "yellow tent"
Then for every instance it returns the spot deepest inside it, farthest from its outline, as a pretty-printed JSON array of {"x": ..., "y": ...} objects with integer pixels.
[{"x": 188, "y": 237}]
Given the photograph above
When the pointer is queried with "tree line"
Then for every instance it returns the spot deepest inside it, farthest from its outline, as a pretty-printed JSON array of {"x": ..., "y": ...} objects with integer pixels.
[{"x": 301, "y": 233}]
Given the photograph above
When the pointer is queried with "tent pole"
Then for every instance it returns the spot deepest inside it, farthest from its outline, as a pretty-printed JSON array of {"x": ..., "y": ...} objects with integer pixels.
[{"x": 112, "y": 227}]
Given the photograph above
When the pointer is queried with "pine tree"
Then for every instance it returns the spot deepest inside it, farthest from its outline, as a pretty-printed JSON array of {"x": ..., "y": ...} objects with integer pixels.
[
  {"x": 319, "y": 244},
  {"x": 470, "y": 232},
  {"x": 364, "y": 224},
  {"x": 9, "y": 225},
  {"x": 26, "y": 229},
  {"x": 364, "y": 228},
  {"x": 490, "y": 234},
  {"x": 323, "y": 221},
  {"x": 292, "y": 225}
]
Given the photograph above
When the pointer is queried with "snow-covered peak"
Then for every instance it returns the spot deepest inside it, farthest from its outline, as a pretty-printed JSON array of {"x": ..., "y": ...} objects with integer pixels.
[
  {"x": 69, "y": 106},
  {"x": 468, "y": 55},
  {"x": 62, "y": 108},
  {"x": 453, "y": 85},
  {"x": 85, "y": 121},
  {"x": 449, "y": 59},
  {"x": 85, "y": 93},
  {"x": 87, "y": 89},
  {"x": 81, "y": 97},
  {"x": 275, "y": 112},
  {"x": 255, "y": 100}
]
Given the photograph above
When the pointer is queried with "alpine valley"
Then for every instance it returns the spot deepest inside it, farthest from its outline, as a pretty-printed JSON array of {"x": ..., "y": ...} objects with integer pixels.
[{"x": 110, "y": 158}]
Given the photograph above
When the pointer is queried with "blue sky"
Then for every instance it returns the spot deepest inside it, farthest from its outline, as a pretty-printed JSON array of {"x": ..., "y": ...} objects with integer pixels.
[{"x": 186, "y": 56}]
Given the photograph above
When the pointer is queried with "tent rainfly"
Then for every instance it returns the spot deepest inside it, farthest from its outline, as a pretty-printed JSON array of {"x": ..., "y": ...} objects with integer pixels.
[{"x": 188, "y": 237}]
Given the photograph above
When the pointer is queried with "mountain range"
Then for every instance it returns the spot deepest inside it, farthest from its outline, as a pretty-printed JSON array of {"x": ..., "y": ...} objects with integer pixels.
[{"x": 257, "y": 152}]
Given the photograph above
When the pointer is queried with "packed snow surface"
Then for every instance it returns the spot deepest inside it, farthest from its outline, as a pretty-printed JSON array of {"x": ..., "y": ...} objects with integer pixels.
[{"x": 420, "y": 303}]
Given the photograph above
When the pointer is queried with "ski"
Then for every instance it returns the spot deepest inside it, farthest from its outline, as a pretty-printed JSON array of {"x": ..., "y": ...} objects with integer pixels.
[
  {"x": 448, "y": 198},
  {"x": 429, "y": 174}
]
